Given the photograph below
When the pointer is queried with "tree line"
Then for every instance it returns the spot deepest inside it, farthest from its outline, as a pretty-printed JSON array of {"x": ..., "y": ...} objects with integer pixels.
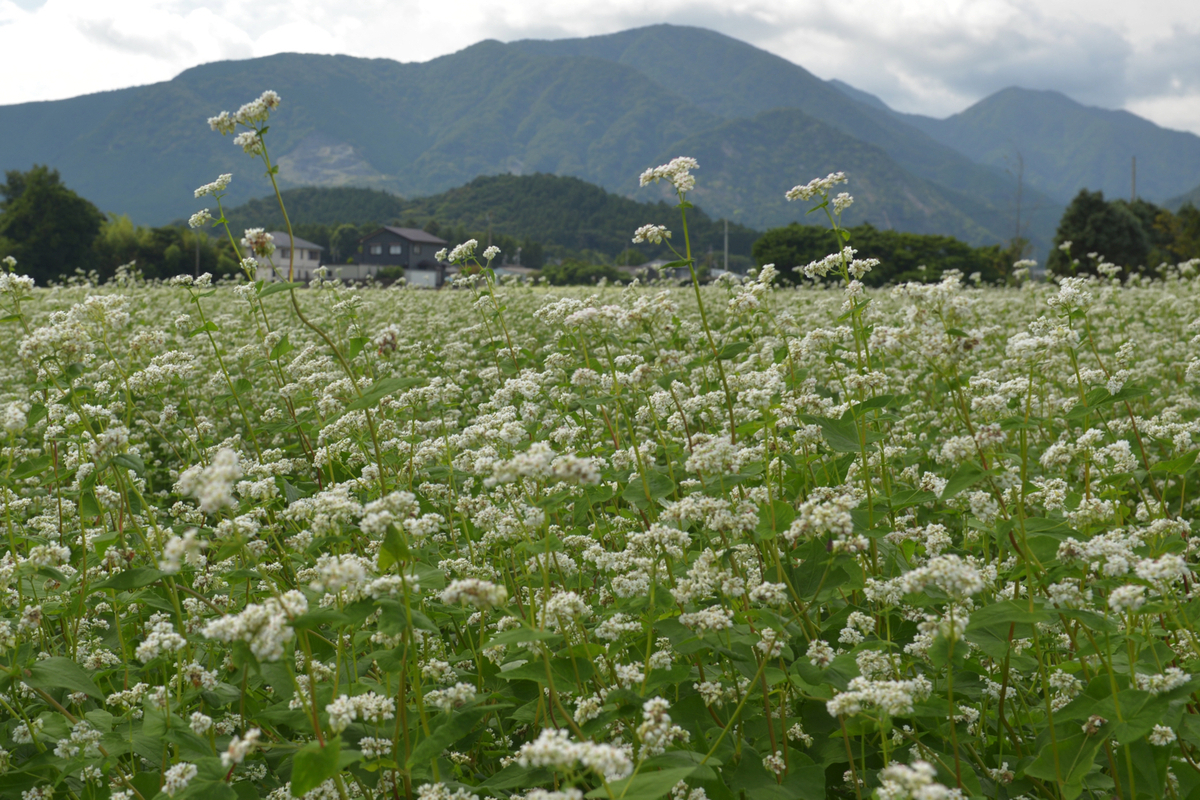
[{"x": 1136, "y": 235}]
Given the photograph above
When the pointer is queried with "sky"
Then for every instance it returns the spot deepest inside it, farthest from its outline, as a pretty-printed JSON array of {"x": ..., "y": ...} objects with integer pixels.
[{"x": 932, "y": 57}]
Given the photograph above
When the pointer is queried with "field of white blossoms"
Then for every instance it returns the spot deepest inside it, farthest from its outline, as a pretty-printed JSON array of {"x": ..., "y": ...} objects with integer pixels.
[{"x": 733, "y": 541}]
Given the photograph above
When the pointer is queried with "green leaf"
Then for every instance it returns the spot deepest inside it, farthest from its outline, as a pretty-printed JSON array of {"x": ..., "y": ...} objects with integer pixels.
[
  {"x": 911, "y": 497},
  {"x": 842, "y": 435},
  {"x": 134, "y": 578},
  {"x": 967, "y": 476},
  {"x": 313, "y": 765},
  {"x": 62, "y": 673},
  {"x": 130, "y": 461},
  {"x": 1177, "y": 466},
  {"x": 282, "y": 286},
  {"x": 645, "y": 785},
  {"x": 452, "y": 728},
  {"x": 394, "y": 549},
  {"x": 311, "y": 620},
  {"x": 281, "y": 348},
  {"x": 208, "y": 326},
  {"x": 519, "y": 635},
  {"x": 732, "y": 350},
  {"x": 1075, "y": 754},
  {"x": 27, "y": 469},
  {"x": 356, "y": 346},
  {"x": 381, "y": 389}
]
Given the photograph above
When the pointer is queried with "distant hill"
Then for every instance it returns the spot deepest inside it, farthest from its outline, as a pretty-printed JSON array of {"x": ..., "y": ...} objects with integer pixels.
[
  {"x": 553, "y": 210},
  {"x": 601, "y": 109},
  {"x": 1179, "y": 201},
  {"x": 732, "y": 79},
  {"x": 1068, "y": 146}
]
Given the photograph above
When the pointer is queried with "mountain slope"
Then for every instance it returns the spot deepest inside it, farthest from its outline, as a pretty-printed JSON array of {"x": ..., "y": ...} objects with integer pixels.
[
  {"x": 732, "y": 79},
  {"x": 549, "y": 209},
  {"x": 1068, "y": 146},
  {"x": 740, "y": 178},
  {"x": 600, "y": 109}
]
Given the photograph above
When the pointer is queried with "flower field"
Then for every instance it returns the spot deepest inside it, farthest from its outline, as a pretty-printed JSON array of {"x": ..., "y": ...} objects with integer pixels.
[{"x": 730, "y": 541}]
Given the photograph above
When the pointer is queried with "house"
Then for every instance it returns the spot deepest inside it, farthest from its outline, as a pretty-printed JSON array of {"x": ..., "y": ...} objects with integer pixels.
[
  {"x": 410, "y": 248},
  {"x": 308, "y": 258}
]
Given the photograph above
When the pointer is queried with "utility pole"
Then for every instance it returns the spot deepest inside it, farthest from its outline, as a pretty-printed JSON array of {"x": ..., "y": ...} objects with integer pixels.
[
  {"x": 727, "y": 245},
  {"x": 1133, "y": 181}
]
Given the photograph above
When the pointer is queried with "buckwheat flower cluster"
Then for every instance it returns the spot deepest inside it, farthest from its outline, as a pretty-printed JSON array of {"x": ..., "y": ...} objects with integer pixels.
[
  {"x": 490, "y": 253},
  {"x": 369, "y": 707},
  {"x": 893, "y": 697},
  {"x": 463, "y": 251},
  {"x": 240, "y": 747},
  {"x": 200, "y": 218},
  {"x": 454, "y": 697},
  {"x": 479, "y": 593},
  {"x": 555, "y": 749},
  {"x": 215, "y": 188},
  {"x": 713, "y": 618},
  {"x": 264, "y": 626},
  {"x": 161, "y": 638},
  {"x": 651, "y": 233},
  {"x": 950, "y": 573},
  {"x": 258, "y": 241},
  {"x": 1127, "y": 599},
  {"x": 677, "y": 172},
  {"x": 916, "y": 782},
  {"x": 816, "y": 187},
  {"x": 1168, "y": 681},
  {"x": 656, "y": 731},
  {"x": 177, "y": 778},
  {"x": 212, "y": 485},
  {"x": 182, "y": 549}
]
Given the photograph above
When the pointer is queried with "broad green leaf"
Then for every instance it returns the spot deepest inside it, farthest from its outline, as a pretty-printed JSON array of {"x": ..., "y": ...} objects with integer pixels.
[
  {"x": 732, "y": 350},
  {"x": 379, "y": 390},
  {"x": 450, "y": 730},
  {"x": 1177, "y": 466},
  {"x": 281, "y": 348},
  {"x": 645, "y": 785},
  {"x": 281, "y": 286},
  {"x": 130, "y": 461},
  {"x": 313, "y": 765},
  {"x": 62, "y": 673},
  {"x": 34, "y": 466},
  {"x": 967, "y": 476},
  {"x": 134, "y": 578}
]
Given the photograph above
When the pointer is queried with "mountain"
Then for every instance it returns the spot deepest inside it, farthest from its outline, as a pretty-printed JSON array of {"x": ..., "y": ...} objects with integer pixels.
[
  {"x": 601, "y": 109},
  {"x": 732, "y": 79},
  {"x": 553, "y": 210},
  {"x": 1178, "y": 202},
  {"x": 1067, "y": 146}
]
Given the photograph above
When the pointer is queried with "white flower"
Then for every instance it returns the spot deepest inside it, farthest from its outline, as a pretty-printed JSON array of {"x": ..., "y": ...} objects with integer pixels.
[
  {"x": 651, "y": 233},
  {"x": 178, "y": 777},
  {"x": 463, "y": 251},
  {"x": 213, "y": 189},
  {"x": 491, "y": 253},
  {"x": 816, "y": 187},
  {"x": 212, "y": 485},
  {"x": 258, "y": 241},
  {"x": 239, "y": 748},
  {"x": 479, "y": 593},
  {"x": 1162, "y": 736},
  {"x": 677, "y": 172}
]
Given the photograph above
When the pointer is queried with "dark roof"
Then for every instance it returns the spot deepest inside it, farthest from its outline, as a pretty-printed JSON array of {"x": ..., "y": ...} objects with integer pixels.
[
  {"x": 300, "y": 244},
  {"x": 412, "y": 234}
]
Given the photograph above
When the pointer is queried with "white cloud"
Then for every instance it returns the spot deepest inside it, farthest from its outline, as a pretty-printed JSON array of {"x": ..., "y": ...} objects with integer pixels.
[{"x": 928, "y": 56}]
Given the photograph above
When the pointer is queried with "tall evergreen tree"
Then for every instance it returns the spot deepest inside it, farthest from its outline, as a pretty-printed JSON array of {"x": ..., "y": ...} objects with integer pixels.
[{"x": 1093, "y": 225}]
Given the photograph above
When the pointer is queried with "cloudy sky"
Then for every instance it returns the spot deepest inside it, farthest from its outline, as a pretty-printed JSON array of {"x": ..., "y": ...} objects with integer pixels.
[{"x": 927, "y": 56}]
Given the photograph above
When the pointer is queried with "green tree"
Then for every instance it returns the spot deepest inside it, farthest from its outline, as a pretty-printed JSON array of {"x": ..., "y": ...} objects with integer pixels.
[
  {"x": 343, "y": 243},
  {"x": 48, "y": 227},
  {"x": 1181, "y": 232},
  {"x": 576, "y": 273},
  {"x": 902, "y": 256},
  {"x": 1093, "y": 225}
]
